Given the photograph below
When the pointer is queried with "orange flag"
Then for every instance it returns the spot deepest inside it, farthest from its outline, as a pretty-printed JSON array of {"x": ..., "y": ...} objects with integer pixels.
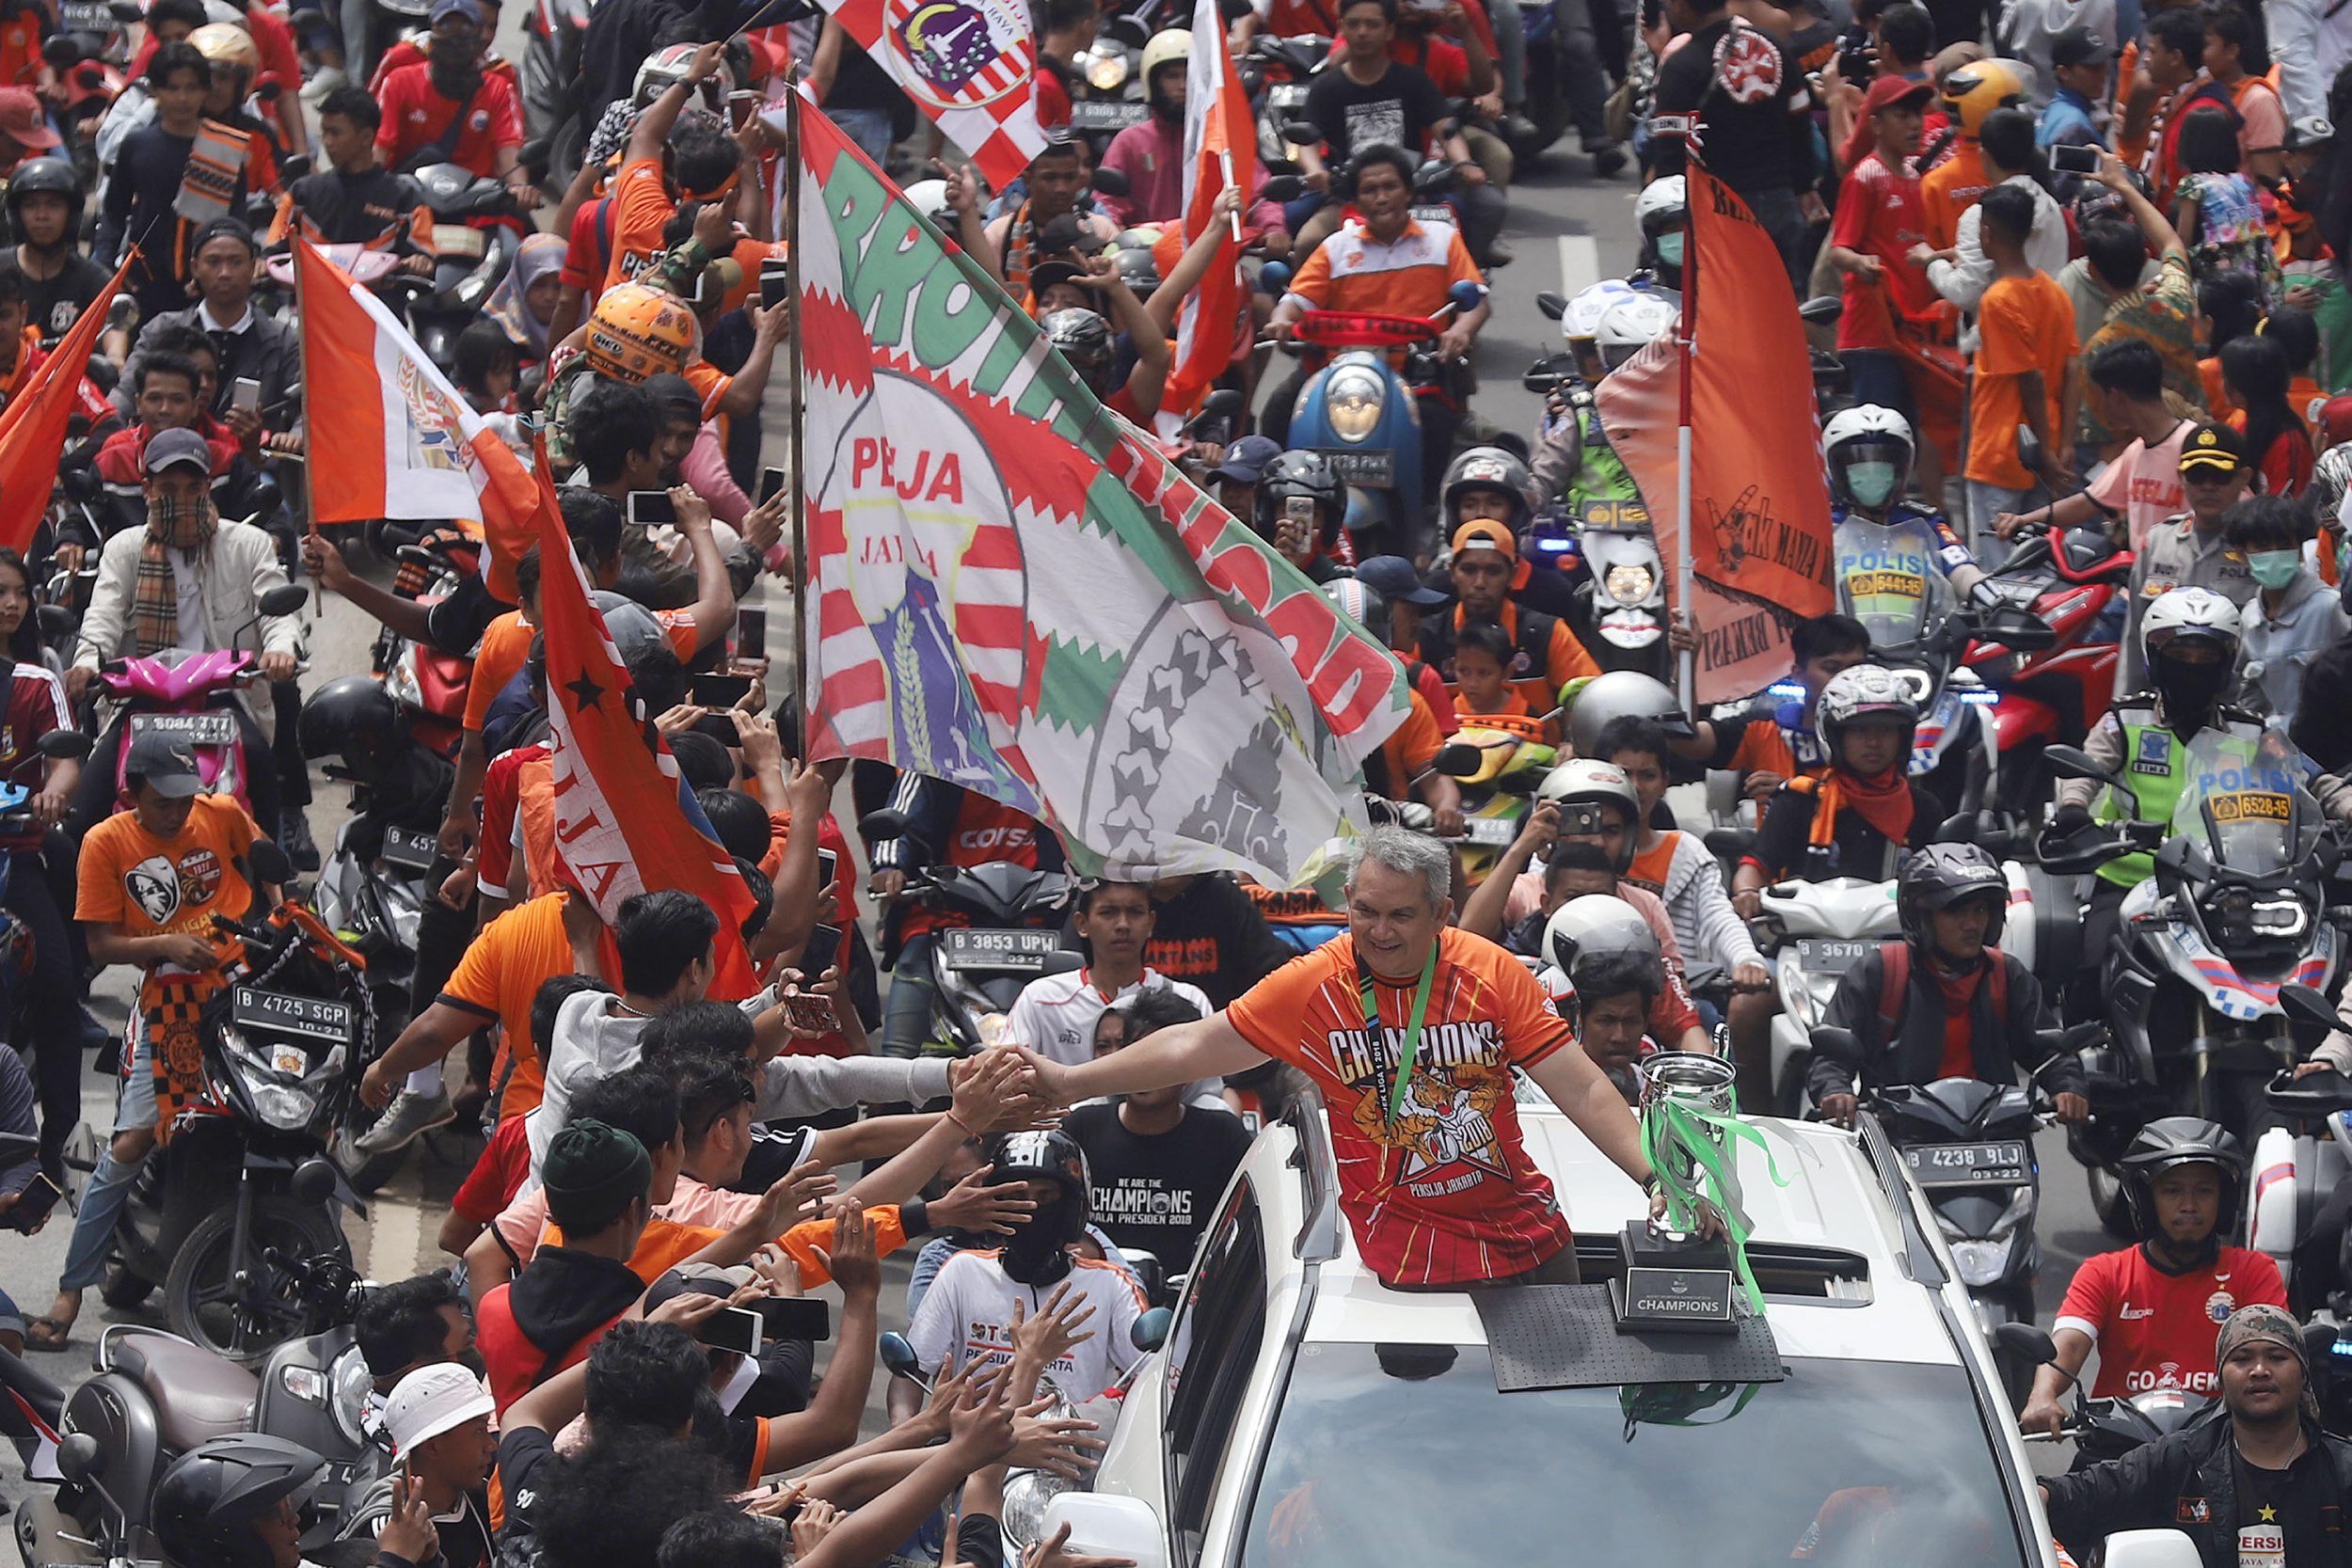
[
  {"x": 1219, "y": 134},
  {"x": 33, "y": 426},
  {"x": 1759, "y": 503}
]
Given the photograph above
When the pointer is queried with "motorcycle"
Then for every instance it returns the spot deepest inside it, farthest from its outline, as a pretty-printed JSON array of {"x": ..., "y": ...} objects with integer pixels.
[
  {"x": 2236, "y": 909},
  {"x": 429, "y": 685},
  {"x": 1498, "y": 771},
  {"x": 476, "y": 229},
  {"x": 1013, "y": 937},
  {"x": 1547, "y": 108},
  {"x": 155, "y": 1396},
  {"x": 283, "y": 1038},
  {"x": 2298, "y": 1164},
  {"x": 2105, "y": 1429},
  {"x": 2055, "y": 693},
  {"x": 1109, "y": 86},
  {"x": 556, "y": 30},
  {"x": 84, "y": 63}
]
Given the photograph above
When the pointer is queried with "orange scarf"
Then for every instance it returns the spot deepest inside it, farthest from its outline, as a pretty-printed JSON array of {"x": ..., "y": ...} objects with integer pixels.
[{"x": 1885, "y": 802}]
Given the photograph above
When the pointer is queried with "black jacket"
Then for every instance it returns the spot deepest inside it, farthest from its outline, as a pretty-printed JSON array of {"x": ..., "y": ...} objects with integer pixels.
[
  {"x": 1998, "y": 1045},
  {"x": 2188, "y": 1482},
  {"x": 2324, "y": 730}
]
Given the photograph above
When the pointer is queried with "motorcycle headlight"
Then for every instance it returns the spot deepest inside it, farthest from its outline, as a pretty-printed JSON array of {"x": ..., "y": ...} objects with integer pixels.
[
  {"x": 281, "y": 1108},
  {"x": 348, "y": 1395},
  {"x": 1983, "y": 1263},
  {"x": 991, "y": 1028},
  {"x": 1107, "y": 69},
  {"x": 1628, "y": 584},
  {"x": 1353, "y": 399},
  {"x": 400, "y": 681},
  {"x": 2240, "y": 916}
]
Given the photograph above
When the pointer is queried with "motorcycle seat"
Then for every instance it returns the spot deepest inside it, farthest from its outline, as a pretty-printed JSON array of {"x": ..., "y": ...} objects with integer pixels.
[{"x": 197, "y": 1395}]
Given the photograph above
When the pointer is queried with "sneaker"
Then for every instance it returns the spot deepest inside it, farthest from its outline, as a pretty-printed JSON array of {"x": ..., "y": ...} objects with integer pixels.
[
  {"x": 1608, "y": 158},
  {"x": 1498, "y": 255},
  {"x": 326, "y": 81},
  {"x": 411, "y": 1116},
  {"x": 293, "y": 836}
]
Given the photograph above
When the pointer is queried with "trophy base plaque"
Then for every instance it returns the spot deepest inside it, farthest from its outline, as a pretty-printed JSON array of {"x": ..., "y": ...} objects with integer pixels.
[{"x": 1682, "y": 1287}]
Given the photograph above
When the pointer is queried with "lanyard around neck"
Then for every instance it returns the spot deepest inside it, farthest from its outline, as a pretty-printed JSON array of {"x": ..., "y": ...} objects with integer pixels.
[{"x": 1412, "y": 1030}]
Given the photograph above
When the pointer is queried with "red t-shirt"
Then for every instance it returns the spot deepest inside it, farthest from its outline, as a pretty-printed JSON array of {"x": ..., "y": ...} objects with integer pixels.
[
  {"x": 1446, "y": 1193},
  {"x": 1052, "y": 100},
  {"x": 416, "y": 115},
  {"x": 1880, "y": 214},
  {"x": 36, "y": 705},
  {"x": 499, "y": 1173},
  {"x": 2156, "y": 1330},
  {"x": 585, "y": 251},
  {"x": 502, "y": 797}
]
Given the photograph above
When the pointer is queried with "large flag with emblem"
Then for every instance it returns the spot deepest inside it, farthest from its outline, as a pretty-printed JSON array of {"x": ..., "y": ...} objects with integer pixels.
[
  {"x": 1011, "y": 589},
  {"x": 33, "y": 426},
  {"x": 389, "y": 436},
  {"x": 1220, "y": 149},
  {"x": 970, "y": 65}
]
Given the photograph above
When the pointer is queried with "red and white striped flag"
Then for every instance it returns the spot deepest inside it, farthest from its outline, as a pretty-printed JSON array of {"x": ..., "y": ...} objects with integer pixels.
[
  {"x": 1220, "y": 149},
  {"x": 970, "y": 65},
  {"x": 389, "y": 436}
]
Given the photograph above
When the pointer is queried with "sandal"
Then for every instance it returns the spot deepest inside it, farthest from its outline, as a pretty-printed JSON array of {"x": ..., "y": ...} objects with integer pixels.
[{"x": 47, "y": 1334}]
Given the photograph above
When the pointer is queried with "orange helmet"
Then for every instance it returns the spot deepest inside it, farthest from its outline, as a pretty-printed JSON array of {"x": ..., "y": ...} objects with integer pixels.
[
  {"x": 638, "y": 330},
  {"x": 1974, "y": 91}
]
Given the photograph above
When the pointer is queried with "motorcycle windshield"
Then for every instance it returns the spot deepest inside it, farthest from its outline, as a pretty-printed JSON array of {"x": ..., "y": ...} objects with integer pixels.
[
  {"x": 2244, "y": 801},
  {"x": 1885, "y": 580}
]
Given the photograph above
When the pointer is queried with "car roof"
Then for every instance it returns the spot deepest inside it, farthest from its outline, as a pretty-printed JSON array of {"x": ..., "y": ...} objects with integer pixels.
[{"x": 1828, "y": 1202}]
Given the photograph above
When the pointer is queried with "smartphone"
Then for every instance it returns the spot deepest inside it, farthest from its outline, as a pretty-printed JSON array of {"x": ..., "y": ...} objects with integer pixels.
[
  {"x": 2074, "y": 159},
  {"x": 793, "y": 1317},
  {"x": 812, "y": 1013},
  {"x": 823, "y": 950},
  {"x": 719, "y": 689},
  {"x": 735, "y": 1328},
  {"x": 771, "y": 486},
  {"x": 751, "y": 631},
  {"x": 775, "y": 284},
  {"x": 244, "y": 392},
  {"x": 41, "y": 1195},
  {"x": 827, "y": 865},
  {"x": 649, "y": 507}
]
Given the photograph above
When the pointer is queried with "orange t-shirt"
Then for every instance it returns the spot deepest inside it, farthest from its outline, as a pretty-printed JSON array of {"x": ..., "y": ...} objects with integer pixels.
[
  {"x": 1409, "y": 749},
  {"x": 502, "y": 969},
  {"x": 1949, "y": 189},
  {"x": 2024, "y": 325},
  {"x": 153, "y": 886},
  {"x": 505, "y": 648},
  {"x": 1446, "y": 1193},
  {"x": 1351, "y": 271},
  {"x": 642, "y": 206}
]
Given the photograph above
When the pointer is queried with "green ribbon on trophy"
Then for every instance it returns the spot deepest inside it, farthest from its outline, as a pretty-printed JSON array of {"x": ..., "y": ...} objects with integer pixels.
[{"x": 1690, "y": 1148}]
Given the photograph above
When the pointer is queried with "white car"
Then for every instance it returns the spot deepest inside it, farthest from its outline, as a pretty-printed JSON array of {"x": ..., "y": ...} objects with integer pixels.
[{"x": 1303, "y": 1415}]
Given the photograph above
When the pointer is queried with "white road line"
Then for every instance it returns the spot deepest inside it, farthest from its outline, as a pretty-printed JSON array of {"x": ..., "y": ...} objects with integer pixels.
[
  {"x": 394, "y": 1230},
  {"x": 1580, "y": 264}
]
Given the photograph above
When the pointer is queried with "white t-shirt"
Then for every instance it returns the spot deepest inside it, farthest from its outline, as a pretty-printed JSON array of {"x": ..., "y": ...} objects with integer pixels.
[
  {"x": 967, "y": 1315},
  {"x": 1055, "y": 1015}
]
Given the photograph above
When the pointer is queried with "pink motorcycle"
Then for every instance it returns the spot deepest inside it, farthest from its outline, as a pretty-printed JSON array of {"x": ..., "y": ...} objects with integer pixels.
[{"x": 194, "y": 696}]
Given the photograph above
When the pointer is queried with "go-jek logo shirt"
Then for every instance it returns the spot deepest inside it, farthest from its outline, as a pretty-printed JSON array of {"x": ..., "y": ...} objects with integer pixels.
[{"x": 2156, "y": 1330}]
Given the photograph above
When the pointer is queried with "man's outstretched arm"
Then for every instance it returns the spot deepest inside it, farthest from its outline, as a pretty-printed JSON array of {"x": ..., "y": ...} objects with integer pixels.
[{"x": 1211, "y": 1047}]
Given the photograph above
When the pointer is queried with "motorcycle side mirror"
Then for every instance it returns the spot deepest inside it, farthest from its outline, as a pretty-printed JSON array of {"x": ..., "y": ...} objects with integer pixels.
[
  {"x": 536, "y": 154},
  {"x": 1151, "y": 1330},
  {"x": 1969, "y": 827},
  {"x": 60, "y": 52},
  {"x": 1110, "y": 182},
  {"x": 1283, "y": 188},
  {"x": 898, "y": 1358},
  {"x": 2069, "y": 762},
  {"x": 1465, "y": 296},
  {"x": 1274, "y": 276},
  {"x": 1434, "y": 180},
  {"x": 1541, "y": 379},
  {"x": 1729, "y": 843},
  {"x": 1457, "y": 760},
  {"x": 2028, "y": 1342},
  {"x": 62, "y": 744},
  {"x": 122, "y": 315},
  {"x": 269, "y": 863},
  {"x": 285, "y": 599},
  {"x": 2319, "y": 1345},
  {"x": 1822, "y": 310},
  {"x": 125, "y": 12},
  {"x": 1552, "y": 305},
  {"x": 102, "y": 371},
  {"x": 79, "y": 1459},
  {"x": 2028, "y": 450},
  {"x": 1128, "y": 30},
  {"x": 295, "y": 166},
  {"x": 2306, "y": 1010},
  {"x": 889, "y": 822},
  {"x": 1300, "y": 132},
  {"x": 56, "y": 619},
  {"x": 313, "y": 1184}
]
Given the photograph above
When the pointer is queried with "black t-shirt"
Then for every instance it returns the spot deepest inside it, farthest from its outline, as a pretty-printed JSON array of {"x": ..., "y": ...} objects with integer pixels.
[
  {"x": 523, "y": 1455},
  {"x": 1855, "y": 848},
  {"x": 1756, "y": 137},
  {"x": 1212, "y": 935},
  {"x": 1157, "y": 1192},
  {"x": 2278, "y": 1523},
  {"x": 356, "y": 209},
  {"x": 1398, "y": 110},
  {"x": 53, "y": 304}
]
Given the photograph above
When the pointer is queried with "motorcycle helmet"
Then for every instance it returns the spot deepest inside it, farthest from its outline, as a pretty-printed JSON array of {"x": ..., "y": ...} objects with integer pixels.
[
  {"x": 1084, "y": 338},
  {"x": 1632, "y": 325},
  {"x": 1489, "y": 468},
  {"x": 210, "y": 1498},
  {"x": 2170, "y": 1142},
  {"x": 2188, "y": 641},
  {"x": 1623, "y": 694},
  {"x": 1944, "y": 875},
  {"x": 638, "y": 330},
  {"x": 1360, "y": 602},
  {"x": 1665, "y": 213},
  {"x": 45, "y": 177},
  {"x": 1308, "y": 474},
  {"x": 1172, "y": 46},
  {"x": 1137, "y": 270},
  {"x": 930, "y": 198},
  {"x": 1976, "y": 91},
  {"x": 2331, "y": 475},
  {"x": 665, "y": 68},
  {"x": 1868, "y": 450},
  {"x": 349, "y": 714},
  {"x": 1858, "y": 692},
  {"x": 1039, "y": 1252},
  {"x": 1597, "y": 926},
  {"x": 1581, "y": 322},
  {"x": 1580, "y": 786},
  {"x": 225, "y": 43}
]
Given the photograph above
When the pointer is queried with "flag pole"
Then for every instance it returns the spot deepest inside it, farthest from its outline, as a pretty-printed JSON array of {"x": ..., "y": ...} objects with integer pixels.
[
  {"x": 1689, "y": 661},
  {"x": 302, "y": 368},
  {"x": 795, "y": 487}
]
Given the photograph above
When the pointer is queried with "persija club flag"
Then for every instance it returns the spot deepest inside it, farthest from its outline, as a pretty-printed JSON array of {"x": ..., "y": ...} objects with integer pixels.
[
  {"x": 1759, "y": 503},
  {"x": 970, "y": 65},
  {"x": 625, "y": 822},
  {"x": 1218, "y": 133},
  {"x": 389, "y": 437},
  {"x": 1010, "y": 588},
  {"x": 33, "y": 426}
]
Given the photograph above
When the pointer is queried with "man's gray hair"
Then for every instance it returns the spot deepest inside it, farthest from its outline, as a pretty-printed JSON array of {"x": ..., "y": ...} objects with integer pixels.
[{"x": 1403, "y": 851}]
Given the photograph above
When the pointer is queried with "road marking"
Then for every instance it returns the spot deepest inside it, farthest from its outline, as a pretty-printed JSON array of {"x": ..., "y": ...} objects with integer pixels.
[
  {"x": 1580, "y": 264},
  {"x": 394, "y": 1230}
]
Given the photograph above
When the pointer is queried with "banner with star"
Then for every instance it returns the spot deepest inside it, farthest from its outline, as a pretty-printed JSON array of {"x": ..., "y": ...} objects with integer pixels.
[{"x": 1010, "y": 589}]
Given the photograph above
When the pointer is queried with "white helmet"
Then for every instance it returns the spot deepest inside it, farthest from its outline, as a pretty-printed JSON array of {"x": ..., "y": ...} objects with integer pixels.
[
  {"x": 2198, "y": 612},
  {"x": 1868, "y": 450},
  {"x": 665, "y": 68},
  {"x": 930, "y": 198},
  {"x": 1581, "y": 781},
  {"x": 1662, "y": 205},
  {"x": 1632, "y": 325},
  {"x": 1623, "y": 694},
  {"x": 1169, "y": 46},
  {"x": 1859, "y": 692},
  {"x": 1597, "y": 926},
  {"x": 1581, "y": 321}
]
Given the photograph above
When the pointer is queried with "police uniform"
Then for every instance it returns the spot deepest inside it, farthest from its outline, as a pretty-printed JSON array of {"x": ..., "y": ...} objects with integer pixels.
[{"x": 2178, "y": 554}]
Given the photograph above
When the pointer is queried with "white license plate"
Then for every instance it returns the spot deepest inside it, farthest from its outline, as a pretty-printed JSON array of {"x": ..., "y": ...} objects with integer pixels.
[
  {"x": 1361, "y": 468},
  {"x": 968, "y": 949},
  {"x": 410, "y": 848},
  {"x": 1101, "y": 114},
  {"x": 313, "y": 1016},
  {"x": 456, "y": 241},
  {"x": 1824, "y": 956},
  {"x": 2002, "y": 1163},
  {"x": 212, "y": 727},
  {"x": 1440, "y": 213},
  {"x": 1490, "y": 833}
]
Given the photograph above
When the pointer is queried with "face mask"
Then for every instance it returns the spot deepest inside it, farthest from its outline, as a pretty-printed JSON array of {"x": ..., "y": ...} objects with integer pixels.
[
  {"x": 1670, "y": 249},
  {"x": 2189, "y": 690},
  {"x": 1870, "y": 483},
  {"x": 2275, "y": 568},
  {"x": 182, "y": 525},
  {"x": 1037, "y": 1253}
]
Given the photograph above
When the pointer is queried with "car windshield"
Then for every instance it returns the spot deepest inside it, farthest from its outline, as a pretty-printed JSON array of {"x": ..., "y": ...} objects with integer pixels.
[{"x": 1407, "y": 1453}]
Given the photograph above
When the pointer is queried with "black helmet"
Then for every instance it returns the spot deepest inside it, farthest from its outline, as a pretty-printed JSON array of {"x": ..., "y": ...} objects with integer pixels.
[
  {"x": 1037, "y": 1253},
  {"x": 211, "y": 1496},
  {"x": 2171, "y": 1140},
  {"x": 352, "y": 713},
  {"x": 1361, "y": 602},
  {"x": 1943, "y": 874},
  {"x": 1138, "y": 271},
  {"x": 1083, "y": 338},
  {"x": 46, "y": 177},
  {"x": 1308, "y": 474}
]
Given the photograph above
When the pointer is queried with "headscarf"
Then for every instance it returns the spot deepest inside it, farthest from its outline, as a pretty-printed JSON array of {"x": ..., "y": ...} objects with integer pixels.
[
  {"x": 2261, "y": 1321},
  {"x": 540, "y": 255}
]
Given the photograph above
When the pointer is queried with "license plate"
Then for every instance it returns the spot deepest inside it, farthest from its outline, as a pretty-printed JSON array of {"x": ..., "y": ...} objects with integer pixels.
[
  {"x": 313, "y": 1016},
  {"x": 1822, "y": 957},
  {"x": 1437, "y": 214},
  {"x": 410, "y": 848},
  {"x": 967, "y": 949},
  {"x": 88, "y": 16},
  {"x": 1103, "y": 114},
  {"x": 212, "y": 727},
  {"x": 456, "y": 241},
  {"x": 1969, "y": 1165},
  {"x": 1361, "y": 468},
  {"x": 1490, "y": 833}
]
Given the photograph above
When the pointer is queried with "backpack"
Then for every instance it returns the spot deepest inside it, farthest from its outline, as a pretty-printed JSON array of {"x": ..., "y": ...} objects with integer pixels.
[{"x": 1895, "y": 983}]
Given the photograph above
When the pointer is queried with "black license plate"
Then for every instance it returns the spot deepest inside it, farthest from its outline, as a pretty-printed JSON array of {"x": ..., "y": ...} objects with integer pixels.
[
  {"x": 1822, "y": 956},
  {"x": 1024, "y": 950},
  {"x": 2002, "y": 1163},
  {"x": 1101, "y": 114},
  {"x": 313, "y": 1016},
  {"x": 212, "y": 727},
  {"x": 410, "y": 848},
  {"x": 1361, "y": 468}
]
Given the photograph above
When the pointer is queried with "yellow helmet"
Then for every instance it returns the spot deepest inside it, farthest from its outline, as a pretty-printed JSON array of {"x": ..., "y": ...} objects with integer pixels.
[
  {"x": 1173, "y": 46},
  {"x": 638, "y": 330},
  {"x": 226, "y": 43},
  {"x": 1976, "y": 91}
]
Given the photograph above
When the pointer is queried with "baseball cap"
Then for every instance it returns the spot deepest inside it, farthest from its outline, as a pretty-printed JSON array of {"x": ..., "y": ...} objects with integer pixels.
[
  {"x": 1245, "y": 459},
  {"x": 2335, "y": 419},
  {"x": 169, "y": 447},
  {"x": 1394, "y": 578},
  {"x": 466, "y": 8},
  {"x": 698, "y": 1280},
  {"x": 22, "y": 121},
  {"x": 166, "y": 764},
  {"x": 630, "y": 625},
  {"x": 1486, "y": 535},
  {"x": 668, "y": 389},
  {"x": 2213, "y": 446},
  {"x": 1888, "y": 90},
  {"x": 432, "y": 1401},
  {"x": 1047, "y": 273},
  {"x": 2309, "y": 131},
  {"x": 2079, "y": 46}
]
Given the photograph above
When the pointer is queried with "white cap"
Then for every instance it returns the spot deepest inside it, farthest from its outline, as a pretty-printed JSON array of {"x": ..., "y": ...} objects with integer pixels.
[{"x": 431, "y": 1400}]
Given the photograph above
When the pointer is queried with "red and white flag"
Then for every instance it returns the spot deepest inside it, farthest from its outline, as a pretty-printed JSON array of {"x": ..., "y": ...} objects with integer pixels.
[
  {"x": 389, "y": 437},
  {"x": 1220, "y": 149},
  {"x": 625, "y": 822},
  {"x": 970, "y": 65}
]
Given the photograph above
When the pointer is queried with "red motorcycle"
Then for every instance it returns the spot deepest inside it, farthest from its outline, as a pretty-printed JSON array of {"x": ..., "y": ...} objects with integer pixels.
[{"x": 2053, "y": 695}]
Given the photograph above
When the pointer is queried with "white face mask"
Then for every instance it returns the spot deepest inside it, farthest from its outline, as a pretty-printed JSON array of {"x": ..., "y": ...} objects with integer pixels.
[{"x": 1870, "y": 483}]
